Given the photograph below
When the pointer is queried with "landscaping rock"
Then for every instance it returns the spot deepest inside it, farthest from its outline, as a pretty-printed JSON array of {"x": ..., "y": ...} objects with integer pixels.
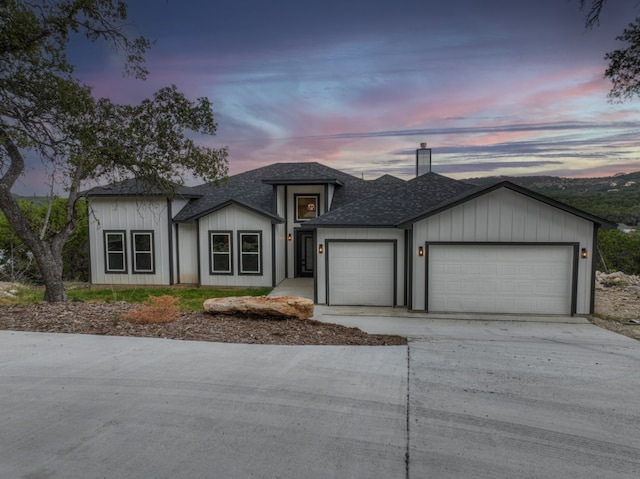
[{"x": 264, "y": 306}]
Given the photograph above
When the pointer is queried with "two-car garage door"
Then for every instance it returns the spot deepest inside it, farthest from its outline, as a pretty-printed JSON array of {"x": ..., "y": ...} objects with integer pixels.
[{"x": 500, "y": 278}]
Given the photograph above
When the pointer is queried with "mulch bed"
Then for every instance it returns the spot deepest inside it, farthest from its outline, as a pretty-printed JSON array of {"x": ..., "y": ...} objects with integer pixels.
[{"x": 107, "y": 319}]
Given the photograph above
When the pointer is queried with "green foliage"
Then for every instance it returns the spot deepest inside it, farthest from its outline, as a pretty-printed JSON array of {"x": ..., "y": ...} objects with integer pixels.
[
  {"x": 191, "y": 299},
  {"x": 615, "y": 206},
  {"x": 620, "y": 251},
  {"x": 16, "y": 261}
]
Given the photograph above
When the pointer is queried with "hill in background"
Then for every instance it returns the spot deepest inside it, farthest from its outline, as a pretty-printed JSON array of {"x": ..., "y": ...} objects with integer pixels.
[{"x": 616, "y": 198}]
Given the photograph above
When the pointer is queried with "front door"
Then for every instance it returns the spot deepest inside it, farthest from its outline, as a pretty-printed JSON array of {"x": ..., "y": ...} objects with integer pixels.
[{"x": 305, "y": 254}]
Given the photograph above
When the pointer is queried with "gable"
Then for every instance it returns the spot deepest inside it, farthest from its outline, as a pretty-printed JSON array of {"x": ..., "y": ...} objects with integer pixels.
[
  {"x": 504, "y": 215},
  {"x": 469, "y": 195}
]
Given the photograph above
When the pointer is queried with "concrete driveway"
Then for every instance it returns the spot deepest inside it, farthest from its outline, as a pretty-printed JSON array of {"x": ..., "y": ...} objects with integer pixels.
[{"x": 466, "y": 398}]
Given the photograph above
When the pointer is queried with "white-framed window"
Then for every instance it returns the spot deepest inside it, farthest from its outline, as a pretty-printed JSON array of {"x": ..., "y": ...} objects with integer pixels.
[
  {"x": 250, "y": 252},
  {"x": 220, "y": 247},
  {"x": 306, "y": 207},
  {"x": 143, "y": 252},
  {"x": 115, "y": 252}
]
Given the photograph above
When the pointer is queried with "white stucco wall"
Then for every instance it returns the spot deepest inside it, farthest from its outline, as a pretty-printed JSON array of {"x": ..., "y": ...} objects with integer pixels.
[
  {"x": 129, "y": 214},
  {"x": 505, "y": 216}
]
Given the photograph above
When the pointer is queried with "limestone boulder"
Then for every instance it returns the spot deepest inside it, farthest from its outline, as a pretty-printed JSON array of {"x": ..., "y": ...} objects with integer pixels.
[{"x": 267, "y": 306}]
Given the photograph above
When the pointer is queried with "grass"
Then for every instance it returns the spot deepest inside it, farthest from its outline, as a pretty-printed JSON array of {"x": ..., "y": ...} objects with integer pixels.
[{"x": 190, "y": 299}]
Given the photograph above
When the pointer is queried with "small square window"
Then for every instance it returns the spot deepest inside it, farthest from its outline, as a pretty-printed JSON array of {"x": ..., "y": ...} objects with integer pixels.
[{"x": 306, "y": 208}]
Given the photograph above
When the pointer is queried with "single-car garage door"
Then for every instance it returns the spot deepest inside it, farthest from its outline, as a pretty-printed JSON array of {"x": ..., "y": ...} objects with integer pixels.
[
  {"x": 361, "y": 273},
  {"x": 500, "y": 278}
]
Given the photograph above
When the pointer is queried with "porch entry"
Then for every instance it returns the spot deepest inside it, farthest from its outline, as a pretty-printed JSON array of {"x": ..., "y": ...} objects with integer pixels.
[{"x": 305, "y": 254}]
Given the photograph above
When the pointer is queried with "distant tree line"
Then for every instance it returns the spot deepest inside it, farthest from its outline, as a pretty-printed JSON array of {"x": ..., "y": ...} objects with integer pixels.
[{"x": 618, "y": 207}]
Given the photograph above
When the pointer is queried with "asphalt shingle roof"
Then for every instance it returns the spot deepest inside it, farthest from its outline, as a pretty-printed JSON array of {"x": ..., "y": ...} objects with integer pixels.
[
  {"x": 255, "y": 188},
  {"x": 395, "y": 204},
  {"x": 135, "y": 187},
  {"x": 385, "y": 202}
]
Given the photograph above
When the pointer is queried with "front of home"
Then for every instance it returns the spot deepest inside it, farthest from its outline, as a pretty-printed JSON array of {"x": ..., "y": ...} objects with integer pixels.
[{"x": 429, "y": 244}]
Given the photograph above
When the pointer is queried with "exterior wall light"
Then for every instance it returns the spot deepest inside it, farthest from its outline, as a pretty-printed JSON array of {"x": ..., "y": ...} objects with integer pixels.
[
  {"x": 320, "y": 249},
  {"x": 289, "y": 237},
  {"x": 584, "y": 254},
  {"x": 420, "y": 251}
]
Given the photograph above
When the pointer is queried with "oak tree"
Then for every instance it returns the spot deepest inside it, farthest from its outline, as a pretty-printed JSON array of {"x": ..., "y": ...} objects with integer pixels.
[{"x": 46, "y": 112}]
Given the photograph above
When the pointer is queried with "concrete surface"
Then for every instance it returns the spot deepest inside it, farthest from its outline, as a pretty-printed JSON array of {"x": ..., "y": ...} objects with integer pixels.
[
  {"x": 524, "y": 401},
  {"x": 75, "y": 406},
  {"x": 537, "y": 397}
]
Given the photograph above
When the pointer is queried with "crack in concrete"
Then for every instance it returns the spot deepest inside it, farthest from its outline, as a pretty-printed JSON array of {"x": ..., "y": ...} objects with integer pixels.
[{"x": 406, "y": 454}]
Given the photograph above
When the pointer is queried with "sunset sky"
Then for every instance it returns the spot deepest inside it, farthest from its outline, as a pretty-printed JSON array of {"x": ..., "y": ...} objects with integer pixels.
[{"x": 495, "y": 87}]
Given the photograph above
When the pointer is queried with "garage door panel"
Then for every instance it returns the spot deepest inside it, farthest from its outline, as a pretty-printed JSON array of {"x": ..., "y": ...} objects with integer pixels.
[
  {"x": 500, "y": 278},
  {"x": 361, "y": 273}
]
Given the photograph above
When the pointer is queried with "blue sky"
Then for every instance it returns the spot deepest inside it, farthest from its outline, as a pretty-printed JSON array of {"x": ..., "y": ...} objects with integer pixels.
[{"x": 495, "y": 87}]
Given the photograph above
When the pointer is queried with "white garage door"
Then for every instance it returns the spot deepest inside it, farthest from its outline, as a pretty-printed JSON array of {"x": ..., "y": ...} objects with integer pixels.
[
  {"x": 361, "y": 273},
  {"x": 500, "y": 278}
]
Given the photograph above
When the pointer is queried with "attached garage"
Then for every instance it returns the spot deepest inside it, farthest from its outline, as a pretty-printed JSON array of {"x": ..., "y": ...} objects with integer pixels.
[
  {"x": 361, "y": 273},
  {"x": 501, "y": 278}
]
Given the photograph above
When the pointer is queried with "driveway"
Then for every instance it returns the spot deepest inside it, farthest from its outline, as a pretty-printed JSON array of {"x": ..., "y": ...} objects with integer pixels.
[{"x": 466, "y": 398}]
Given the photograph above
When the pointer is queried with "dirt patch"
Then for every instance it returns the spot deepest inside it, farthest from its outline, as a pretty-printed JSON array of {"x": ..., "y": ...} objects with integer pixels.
[
  {"x": 617, "y": 304},
  {"x": 107, "y": 319}
]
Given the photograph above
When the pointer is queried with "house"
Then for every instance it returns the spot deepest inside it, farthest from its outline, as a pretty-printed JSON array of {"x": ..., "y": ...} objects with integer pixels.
[{"x": 428, "y": 244}]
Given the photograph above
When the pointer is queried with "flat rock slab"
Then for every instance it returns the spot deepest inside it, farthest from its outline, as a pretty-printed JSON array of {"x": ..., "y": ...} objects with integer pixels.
[{"x": 266, "y": 306}]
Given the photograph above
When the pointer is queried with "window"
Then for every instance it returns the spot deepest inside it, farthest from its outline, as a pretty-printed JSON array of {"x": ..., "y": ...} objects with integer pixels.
[
  {"x": 143, "y": 257},
  {"x": 250, "y": 252},
  {"x": 114, "y": 252},
  {"x": 220, "y": 247},
  {"x": 306, "y": 207}
]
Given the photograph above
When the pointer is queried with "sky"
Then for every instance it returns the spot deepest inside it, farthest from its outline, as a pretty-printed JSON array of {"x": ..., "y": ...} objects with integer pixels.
[{"x": 494, "y": 87}]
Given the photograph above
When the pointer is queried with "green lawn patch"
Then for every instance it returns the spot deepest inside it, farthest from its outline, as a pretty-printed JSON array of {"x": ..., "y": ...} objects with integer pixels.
[{"x": 191, "y": 299}]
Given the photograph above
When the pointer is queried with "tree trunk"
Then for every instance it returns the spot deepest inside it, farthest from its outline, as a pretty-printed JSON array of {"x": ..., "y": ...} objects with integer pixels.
[
  {"x": 48, "y": 257},
  {"x": 51, "y": 271}
]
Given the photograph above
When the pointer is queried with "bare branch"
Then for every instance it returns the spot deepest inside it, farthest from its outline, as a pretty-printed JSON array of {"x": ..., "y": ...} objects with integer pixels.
[{"x": 593, "y": 15}]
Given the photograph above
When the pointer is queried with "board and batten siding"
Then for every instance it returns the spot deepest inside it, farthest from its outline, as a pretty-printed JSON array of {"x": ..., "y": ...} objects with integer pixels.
[
  {"x": 234, "y": 218},
  {"x": 187, "y": 254},
  {"x": 359, "y": 234},
  {"x": 505, "y": 216},
  {"x": 129, "y": 214}
]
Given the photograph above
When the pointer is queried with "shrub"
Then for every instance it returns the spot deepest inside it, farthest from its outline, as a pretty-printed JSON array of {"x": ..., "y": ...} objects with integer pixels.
[{"x": 158, "y": 309}]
